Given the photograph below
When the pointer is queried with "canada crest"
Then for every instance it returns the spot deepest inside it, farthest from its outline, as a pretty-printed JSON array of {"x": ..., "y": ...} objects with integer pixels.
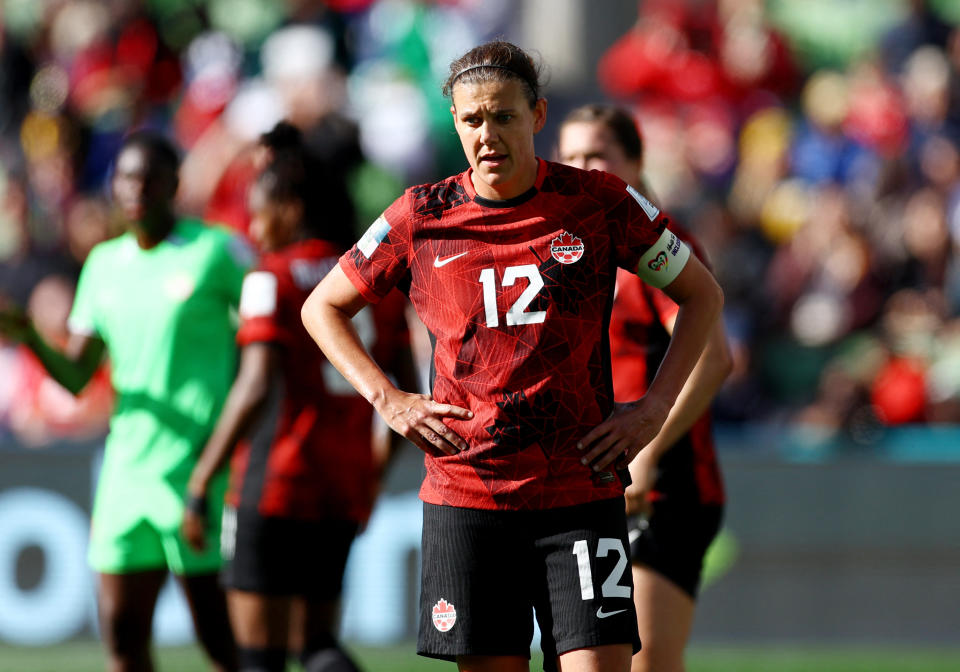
[
  {"x": 566, "y": 248},
  {"x": 444, "y": 615}
]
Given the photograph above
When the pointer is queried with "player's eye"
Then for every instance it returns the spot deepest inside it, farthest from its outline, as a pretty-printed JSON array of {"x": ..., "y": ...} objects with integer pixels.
[{"x": 504, "y": 117}]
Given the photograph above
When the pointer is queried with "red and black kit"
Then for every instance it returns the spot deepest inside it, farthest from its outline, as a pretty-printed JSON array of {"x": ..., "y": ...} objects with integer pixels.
[
  {"x": 304, "y": 480},
  {"x": 517, "y": 297}
]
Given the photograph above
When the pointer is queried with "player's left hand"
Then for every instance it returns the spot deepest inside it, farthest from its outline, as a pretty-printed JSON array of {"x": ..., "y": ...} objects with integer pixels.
[{"x": 620, "y": 437}]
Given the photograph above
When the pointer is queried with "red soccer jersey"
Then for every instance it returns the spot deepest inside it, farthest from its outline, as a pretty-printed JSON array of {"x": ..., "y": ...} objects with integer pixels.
[
  {"x": 516, "y": 295},
  {"x": 310, "y": 454},
  {"x": 638, "y": 341}
]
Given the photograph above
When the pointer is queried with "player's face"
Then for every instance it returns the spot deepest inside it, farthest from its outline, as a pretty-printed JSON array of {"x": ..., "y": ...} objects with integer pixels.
[
  {"x": 142, "y": 188},
  {"x": 272, "y": 224},
  {"x": 592, "y": 146},
  {"x": 496, "y": 127}
]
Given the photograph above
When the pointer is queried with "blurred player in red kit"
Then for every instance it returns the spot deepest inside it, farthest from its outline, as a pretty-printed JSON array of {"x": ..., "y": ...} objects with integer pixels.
[
  {"x": 304, "y": 471},
  {"x": 676, "y": 498},
  {"x": 511, "y": 266}
]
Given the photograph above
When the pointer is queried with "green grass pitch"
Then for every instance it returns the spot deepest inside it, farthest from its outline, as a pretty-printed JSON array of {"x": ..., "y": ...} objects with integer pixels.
[{"x": 86, "y": 656}]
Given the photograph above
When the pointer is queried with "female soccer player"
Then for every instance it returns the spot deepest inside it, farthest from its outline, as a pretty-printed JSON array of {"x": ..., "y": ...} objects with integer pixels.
[
  {"x": 511, "y": 266},
  {"x": 675, "y": 502},
  {"x": 304, "y": 475},
  {"x": 158, "y": 301}
]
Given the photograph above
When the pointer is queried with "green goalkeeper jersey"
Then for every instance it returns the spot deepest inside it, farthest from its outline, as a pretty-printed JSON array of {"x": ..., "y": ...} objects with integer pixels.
[{"x": 168, "y": 318}]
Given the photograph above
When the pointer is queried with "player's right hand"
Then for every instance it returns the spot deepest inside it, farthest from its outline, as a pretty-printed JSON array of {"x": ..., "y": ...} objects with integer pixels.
[
  {"x": 420, "y": 419},
  {"x": 194, "y": 530}
]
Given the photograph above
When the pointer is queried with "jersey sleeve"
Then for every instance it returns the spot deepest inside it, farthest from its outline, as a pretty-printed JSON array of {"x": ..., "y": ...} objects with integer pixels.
[
  {"x": 83, "y": 317},
  {"x": 642, "y": 241},
  {"x": 380, "y": 260},
  {"x": 260, "y": 301},
  {"x": 665, "y": 306}
]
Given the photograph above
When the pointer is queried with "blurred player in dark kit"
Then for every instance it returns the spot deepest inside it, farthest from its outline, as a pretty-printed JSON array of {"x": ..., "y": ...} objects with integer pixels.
[
  {"x": 676, "y": 499},
  {"x": 158, "y": 301},
  {"x": 304, "y": 473},
  {"x": 511, "y": 266}
]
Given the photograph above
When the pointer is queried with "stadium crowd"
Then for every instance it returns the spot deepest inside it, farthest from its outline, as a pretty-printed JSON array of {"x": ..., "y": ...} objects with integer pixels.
[{"x": 815, "y": 151}]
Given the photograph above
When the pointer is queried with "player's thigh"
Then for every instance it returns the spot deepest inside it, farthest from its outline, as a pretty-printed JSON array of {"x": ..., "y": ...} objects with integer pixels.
[
  {"x": 477, "y": 588},
  {"x": 125, "y": 606},
  {"x": 664, "y": 618},
  {"x": 286, "y": 556},
  {"x": 587, "y": 597},
  {"x": 259, "y": 621},
  {"x": 674, "y": 539},
  {"x": 608, "y": 658}
]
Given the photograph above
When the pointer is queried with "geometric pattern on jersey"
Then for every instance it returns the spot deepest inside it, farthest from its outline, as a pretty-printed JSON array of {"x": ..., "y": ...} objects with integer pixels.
[
  {"x": 309, "y": 455},
  {"x": 638, "y": 342},
  {"x": 520, "y": 339}
]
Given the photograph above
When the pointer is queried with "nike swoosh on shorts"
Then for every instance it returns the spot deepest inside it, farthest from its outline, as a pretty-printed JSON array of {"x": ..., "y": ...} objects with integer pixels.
[{"x": 607, "y": 614}]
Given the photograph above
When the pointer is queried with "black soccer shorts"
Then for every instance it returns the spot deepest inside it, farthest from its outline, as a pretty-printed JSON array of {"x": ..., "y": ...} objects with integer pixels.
[
  {"x": 673, "y": 540},
  {"x": 484, "y": 572},
  {"x": 285, "y": 556}
]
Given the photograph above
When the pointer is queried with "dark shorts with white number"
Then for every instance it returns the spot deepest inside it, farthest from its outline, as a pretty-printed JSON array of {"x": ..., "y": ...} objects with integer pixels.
[
  {"x": 285, "y": 556},
  {"x": 673, "y": 540},
  {"x": 484, "y": 572}
]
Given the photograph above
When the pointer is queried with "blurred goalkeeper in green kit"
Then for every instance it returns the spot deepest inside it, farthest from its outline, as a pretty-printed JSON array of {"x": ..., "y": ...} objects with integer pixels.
[{"x": 159, "y": 301}]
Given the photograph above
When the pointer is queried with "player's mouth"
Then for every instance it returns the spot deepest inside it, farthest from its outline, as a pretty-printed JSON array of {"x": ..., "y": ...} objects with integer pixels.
[{"x": 493, "y": 160}]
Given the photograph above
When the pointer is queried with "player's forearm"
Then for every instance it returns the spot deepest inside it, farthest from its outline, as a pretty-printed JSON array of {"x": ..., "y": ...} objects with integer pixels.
[
  {"x": 243, "y": 406},
  {"x": 697, "y": 393},
  {"x": 698, "y": 313},
  {"x": 72, "y": 370}
]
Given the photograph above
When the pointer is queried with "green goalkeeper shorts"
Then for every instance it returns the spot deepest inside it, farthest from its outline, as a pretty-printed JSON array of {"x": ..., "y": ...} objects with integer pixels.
[{"x": 136, "y": 527}]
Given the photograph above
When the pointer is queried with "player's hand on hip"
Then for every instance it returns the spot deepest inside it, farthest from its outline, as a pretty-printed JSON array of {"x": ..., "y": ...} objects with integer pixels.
[
  {"x": 620, "y": 437},
  {"x": 420, "y": 419}
]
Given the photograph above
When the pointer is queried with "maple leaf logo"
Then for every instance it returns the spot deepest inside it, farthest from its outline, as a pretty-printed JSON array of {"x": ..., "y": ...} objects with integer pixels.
[
  {"x": 659, "y": 262},
  {"x": 566, "y": 248},
  {"x": 444, "y": 615}
]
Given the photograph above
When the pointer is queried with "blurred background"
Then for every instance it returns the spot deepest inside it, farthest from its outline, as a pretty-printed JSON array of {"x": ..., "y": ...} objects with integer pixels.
[{"x": 812, "y": 145}]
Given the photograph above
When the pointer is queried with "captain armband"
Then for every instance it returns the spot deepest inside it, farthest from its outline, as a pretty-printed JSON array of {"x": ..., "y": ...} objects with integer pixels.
[{"x": 662, "y": 263}]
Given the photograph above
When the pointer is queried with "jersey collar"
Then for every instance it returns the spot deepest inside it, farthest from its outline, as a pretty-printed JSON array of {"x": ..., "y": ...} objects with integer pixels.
[{"x": 510, "y": 202}]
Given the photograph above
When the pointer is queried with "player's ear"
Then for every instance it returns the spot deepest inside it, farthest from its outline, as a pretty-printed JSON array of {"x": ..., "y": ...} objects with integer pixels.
[{"x": 539, "y": 115}]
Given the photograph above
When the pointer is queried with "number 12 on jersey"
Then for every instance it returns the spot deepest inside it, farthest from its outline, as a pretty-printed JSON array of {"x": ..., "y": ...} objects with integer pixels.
[{"x": 517, "y": 313}]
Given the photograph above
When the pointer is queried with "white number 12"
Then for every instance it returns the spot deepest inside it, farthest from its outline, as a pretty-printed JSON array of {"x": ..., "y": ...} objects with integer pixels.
[
  {"x": 517, "y": 313},
  {"x": 611, "y": 587}
]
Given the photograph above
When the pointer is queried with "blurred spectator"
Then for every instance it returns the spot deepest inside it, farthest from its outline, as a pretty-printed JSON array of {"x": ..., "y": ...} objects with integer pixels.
[{"x": 814, "y": 146}]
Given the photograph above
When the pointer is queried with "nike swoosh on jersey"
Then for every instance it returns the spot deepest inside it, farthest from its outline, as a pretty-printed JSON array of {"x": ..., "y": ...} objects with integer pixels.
[
  {"x": 607, "y": 614},
  {"x": 438, "y": 262}
]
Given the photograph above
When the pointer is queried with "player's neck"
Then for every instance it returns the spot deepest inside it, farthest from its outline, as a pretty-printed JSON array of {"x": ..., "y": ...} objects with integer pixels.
[{"x": 153, "y": 229}]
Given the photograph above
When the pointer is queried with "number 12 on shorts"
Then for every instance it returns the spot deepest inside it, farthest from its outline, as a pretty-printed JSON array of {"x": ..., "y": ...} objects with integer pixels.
[{"x": 611, "y": 586}]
